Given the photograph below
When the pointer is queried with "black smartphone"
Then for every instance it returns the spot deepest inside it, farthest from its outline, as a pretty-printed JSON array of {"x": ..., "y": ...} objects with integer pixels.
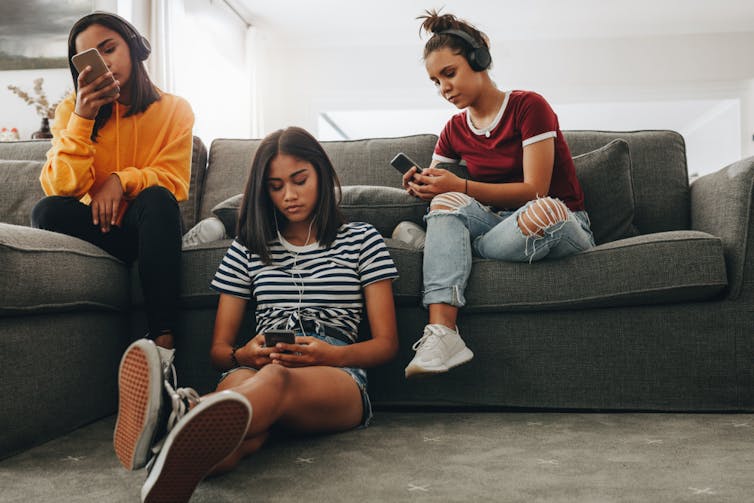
[
  {"x": 403, "y": 163},
  {"x": 272, "y": 337}
]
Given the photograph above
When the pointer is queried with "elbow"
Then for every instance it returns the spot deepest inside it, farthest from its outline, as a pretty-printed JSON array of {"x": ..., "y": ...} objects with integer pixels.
[{"x": 217, "y": 356}]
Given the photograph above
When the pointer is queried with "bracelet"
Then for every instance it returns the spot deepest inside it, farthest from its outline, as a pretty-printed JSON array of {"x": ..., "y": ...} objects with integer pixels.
[
  {"x": 466, "y": 190},
  {"x": 233, "y": 359}
]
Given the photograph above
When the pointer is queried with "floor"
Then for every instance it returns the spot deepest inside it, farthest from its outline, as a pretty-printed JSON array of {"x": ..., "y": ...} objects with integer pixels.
[{"x": 438, "y": 456}]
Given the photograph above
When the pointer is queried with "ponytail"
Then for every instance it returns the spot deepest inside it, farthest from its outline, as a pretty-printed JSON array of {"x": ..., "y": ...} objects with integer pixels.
[{"x": 435, "y": 23}]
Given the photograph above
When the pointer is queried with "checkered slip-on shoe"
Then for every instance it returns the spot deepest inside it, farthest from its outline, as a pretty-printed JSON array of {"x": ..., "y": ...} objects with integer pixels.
[
  {"x": 140, "y": 400},
  {"x": 206, "y": 435}
]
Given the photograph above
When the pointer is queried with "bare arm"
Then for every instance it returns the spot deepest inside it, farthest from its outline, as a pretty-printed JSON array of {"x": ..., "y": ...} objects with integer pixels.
[
  {"x": 539, "y": 159},
  {"x": 230, "y": 313}
]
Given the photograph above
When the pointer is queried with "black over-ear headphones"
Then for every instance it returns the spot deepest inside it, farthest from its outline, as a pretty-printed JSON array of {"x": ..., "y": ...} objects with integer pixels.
[
  {"x": 478, "y": 55},
  {"x": 141, "y": 45}
]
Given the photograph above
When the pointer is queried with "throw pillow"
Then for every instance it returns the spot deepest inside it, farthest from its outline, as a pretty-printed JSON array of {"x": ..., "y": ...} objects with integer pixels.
[
  {"x": 605, "y": 178},
  {"x": 21, "y": 190},
  {"x": 383, "y": 207},
  {"x": 227, "y": 212}
]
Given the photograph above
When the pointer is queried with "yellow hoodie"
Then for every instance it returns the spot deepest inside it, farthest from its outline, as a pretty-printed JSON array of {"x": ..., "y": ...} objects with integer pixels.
[{"x": 146, "y": 149}]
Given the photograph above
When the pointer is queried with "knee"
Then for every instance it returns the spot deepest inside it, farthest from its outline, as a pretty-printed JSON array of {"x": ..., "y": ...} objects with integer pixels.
[
  {"x": 449, "y": 201},
  {"x": 275, "y": 376},
  {"x": 156, "y": 196},
  {"x": 541, "y": 214},
  {"x": 46, "y": 213}
]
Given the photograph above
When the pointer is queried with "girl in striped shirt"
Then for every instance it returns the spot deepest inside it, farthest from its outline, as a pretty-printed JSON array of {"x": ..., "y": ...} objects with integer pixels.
[{"x": 308, "y": 271}]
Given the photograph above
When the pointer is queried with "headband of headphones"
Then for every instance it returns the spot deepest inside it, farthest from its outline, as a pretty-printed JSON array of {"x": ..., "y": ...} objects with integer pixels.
[
  {"x": 478, "y": 55},
  {"x": 141, "y": 45}
]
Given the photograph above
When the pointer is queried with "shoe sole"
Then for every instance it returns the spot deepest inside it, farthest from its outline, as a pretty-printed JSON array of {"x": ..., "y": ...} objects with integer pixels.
[
  {"x": 139, "y": 396},
  {"x": 457, "y": 359},
  {"x": 205, "y": 436}
]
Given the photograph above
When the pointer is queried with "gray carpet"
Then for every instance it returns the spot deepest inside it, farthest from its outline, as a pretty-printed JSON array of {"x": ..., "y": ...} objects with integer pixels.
[{"x": 438, "y": 456}]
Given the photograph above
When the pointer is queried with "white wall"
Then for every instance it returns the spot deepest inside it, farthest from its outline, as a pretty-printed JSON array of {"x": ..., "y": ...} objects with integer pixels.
[
  {"x": 297, "y": 83},
  {"x": 14, "y": 112}
]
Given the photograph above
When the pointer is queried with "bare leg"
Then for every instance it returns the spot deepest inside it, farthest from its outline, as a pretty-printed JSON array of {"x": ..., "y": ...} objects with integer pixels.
[
  {"x": 443, "y": 314},
  {"x": 307, "y": 399}
]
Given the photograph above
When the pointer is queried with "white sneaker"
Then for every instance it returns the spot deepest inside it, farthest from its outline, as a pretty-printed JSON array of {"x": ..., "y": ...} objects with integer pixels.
[
  {"x": 206, "y": 231},
  {"x": 439, "y": 350},
  {"x": 410, "y": 233}
]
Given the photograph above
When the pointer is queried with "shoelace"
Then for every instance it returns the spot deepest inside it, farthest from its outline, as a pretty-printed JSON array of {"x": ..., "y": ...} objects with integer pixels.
[
  {"x": 180, "y": 400},
  {"x": 429, "y": 339},
  {"x": 191, "y": 238}
]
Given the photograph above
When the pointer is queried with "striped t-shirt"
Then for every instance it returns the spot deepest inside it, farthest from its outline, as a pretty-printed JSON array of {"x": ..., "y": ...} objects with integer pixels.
[{"x": 308, "y": 282}]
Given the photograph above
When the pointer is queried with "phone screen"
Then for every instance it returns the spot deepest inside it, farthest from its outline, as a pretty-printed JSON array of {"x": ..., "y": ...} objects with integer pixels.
[{"x": 272, "y": 337}]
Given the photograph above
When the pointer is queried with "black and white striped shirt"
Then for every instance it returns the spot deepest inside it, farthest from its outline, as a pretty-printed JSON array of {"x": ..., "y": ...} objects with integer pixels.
[{"x": 309, "y": 282}]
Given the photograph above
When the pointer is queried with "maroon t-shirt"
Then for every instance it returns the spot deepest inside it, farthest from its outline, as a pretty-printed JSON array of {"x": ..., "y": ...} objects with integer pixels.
[{"x": 495, "y": 154}]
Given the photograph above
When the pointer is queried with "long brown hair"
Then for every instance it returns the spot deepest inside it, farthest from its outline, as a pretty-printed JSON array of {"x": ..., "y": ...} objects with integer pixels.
[
  {"x": 143, "y": 91},
  {"x": 258, "y": 218},
  {"x": 435, "y": 23}
]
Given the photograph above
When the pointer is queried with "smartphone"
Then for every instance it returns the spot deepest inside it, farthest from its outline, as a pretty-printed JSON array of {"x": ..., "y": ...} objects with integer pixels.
[
  {"x": 403, "y": 163},
  {"x": 272, "y": 337},
  {"x": 91, "y": 57}
]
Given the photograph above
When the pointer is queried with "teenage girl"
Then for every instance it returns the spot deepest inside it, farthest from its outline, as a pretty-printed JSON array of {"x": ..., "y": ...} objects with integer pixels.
[
  {"x": 119, "y": 163},
  {"x": 522, "y": 201},
  {"x": 308, "y": 271}
]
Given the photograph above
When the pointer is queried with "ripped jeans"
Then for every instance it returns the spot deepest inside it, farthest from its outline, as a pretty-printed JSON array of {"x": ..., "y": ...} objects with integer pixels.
[{"x": 471, "y": 228}]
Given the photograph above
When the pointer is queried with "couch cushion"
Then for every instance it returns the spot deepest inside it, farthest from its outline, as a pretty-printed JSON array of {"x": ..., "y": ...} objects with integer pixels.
[
  {"x": 190, "y": 207},
  {"x": 657, "y": 268},
  {"x": 605, "y": 177},
  {"x": 20, "y": 190},
  {"x": 67, "y": 273},
  {"x": 658, "y": 170},
  {"x": 357, "y": 162},
  {"x": 24, "y": 150},
  {"x": 383, "y": 207}
]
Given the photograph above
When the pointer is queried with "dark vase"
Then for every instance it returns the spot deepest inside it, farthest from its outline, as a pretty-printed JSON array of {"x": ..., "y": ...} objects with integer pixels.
[{"x": 44, "y": 131}]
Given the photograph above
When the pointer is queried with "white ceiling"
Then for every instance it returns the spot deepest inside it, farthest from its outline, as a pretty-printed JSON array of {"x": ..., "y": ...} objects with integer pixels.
[{"x": 392, "y": 22}]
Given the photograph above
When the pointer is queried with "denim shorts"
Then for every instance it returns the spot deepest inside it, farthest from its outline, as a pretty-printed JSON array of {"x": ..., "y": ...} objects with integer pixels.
[{"x": 357, "y": 374}]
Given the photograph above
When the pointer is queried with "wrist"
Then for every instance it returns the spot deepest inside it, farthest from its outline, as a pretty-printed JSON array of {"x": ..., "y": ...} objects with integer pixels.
[{"x": 234, "y": 356}]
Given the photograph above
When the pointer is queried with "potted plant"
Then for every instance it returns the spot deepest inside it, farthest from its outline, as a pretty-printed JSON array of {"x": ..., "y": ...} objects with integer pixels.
[{"x": 43, "y": 107}]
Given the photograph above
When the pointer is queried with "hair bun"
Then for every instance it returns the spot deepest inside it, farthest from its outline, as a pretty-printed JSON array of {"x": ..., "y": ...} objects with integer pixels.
[{"x": 434, "y": 22}]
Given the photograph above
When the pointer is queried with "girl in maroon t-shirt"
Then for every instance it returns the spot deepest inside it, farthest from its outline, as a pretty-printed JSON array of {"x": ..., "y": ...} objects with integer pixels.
[{"x": 521, "y": 202}]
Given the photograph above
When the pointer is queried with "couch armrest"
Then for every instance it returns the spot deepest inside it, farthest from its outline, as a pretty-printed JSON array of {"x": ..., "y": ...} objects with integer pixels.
[{"x": 721, "y": 205}]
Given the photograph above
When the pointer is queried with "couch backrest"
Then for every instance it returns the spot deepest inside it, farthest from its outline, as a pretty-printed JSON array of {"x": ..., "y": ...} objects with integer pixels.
[
  {"x": 658, "y": 172},
  {"x": 660, "y": 180},
  {"x": 357, "y": 162},
  {"x": 21, "y": 163}
]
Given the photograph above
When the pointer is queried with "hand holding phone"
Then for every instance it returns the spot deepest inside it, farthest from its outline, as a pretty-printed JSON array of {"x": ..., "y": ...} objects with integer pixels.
[
  {"x": 272, "y": 337},
  {"x": 403, "y": 163},
  {"x": 92, "y": 58}
]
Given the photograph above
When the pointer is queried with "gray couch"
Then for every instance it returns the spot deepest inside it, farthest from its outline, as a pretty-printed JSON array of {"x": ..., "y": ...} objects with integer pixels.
[{"x": 657, "y": 317}]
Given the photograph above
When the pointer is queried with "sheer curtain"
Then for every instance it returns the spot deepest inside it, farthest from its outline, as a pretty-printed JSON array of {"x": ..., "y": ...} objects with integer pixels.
[{"x": 203, "y": 52}]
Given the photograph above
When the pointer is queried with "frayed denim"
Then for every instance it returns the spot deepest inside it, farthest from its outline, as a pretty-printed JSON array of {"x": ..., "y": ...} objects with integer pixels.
[{"x": 472, "y": 229}]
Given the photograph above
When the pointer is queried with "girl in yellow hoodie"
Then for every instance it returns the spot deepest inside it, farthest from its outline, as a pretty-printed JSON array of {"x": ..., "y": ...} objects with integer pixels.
[{"x": 120, "y": 161}]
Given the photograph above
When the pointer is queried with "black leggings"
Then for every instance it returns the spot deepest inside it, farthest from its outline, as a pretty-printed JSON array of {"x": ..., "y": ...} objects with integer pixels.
[{"x": 150, "y": 232}]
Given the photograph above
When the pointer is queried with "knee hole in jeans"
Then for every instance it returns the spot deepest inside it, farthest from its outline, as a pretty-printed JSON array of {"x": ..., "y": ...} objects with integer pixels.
[
  {"x": 449, "y": 201},
  {"x": 541, "y": 214}
]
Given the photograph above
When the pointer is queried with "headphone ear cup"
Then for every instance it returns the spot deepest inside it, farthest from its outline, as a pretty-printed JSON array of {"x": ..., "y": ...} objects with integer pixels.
[
  {"x": 145, "y": 48},
  {"x": 479, "y": 59}
]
